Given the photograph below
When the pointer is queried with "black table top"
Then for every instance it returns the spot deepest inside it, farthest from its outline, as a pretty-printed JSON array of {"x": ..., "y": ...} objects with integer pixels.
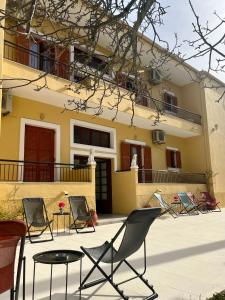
[
  {"x": 65, "y": 213},
  {"x": 58, "y": 256}
]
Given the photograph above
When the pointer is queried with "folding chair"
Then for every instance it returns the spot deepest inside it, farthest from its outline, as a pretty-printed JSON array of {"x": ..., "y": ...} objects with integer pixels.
[
  {"x": 135, "y": 229},
  {"x": 80, "y": 213},
  {"x": 211, "y": 203},
  {"x": 201, "y": 205},
  {"x": 36, "y": 216},
  {"x": 188, "y": 206},
  {"x": 171, "y": 209},
  {"x": 11, "y": 232}
]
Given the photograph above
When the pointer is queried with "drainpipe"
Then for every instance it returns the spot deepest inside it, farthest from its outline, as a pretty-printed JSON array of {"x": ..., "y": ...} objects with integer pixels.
[{"x": 2, "y": 20}]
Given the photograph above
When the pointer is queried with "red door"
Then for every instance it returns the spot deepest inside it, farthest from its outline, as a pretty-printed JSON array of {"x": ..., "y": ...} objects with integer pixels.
[{"x": 39, "y": 147}]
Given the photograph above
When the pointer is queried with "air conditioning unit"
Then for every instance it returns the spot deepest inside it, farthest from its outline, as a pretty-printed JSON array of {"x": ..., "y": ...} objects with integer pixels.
[
  {"x": 6, "y": 102},
  {"x": 158, "y": 136},
  {"x": 154, "y": 76}
]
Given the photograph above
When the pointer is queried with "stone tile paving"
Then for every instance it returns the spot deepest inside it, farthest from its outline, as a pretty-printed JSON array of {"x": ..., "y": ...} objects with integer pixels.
[{"x": 186, "y": 261}]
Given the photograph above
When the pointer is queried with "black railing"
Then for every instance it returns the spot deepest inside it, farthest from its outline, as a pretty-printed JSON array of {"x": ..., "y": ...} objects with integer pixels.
[
  {"x": 45, "y": 63},
  {"x": 52, "y": 66},
  {"x": 27, "y": 171},
  {"x": 167, "y": 108},
  {"x": 155, "y": 176}
]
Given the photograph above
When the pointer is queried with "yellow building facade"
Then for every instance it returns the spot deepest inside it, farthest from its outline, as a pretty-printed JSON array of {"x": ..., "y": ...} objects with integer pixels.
[{"x": 46, "y": 151}]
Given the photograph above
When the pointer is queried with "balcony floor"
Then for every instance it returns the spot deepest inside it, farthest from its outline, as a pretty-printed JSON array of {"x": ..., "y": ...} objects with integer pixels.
[{"x": 183, "y": 263}]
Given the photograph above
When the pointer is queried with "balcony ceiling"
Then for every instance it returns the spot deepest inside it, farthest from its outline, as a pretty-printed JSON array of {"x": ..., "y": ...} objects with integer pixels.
[{"x": 59, "y": 99}]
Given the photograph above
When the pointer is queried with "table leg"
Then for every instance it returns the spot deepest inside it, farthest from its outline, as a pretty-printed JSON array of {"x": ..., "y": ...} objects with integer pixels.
[
  {"x": 50, "y": 295},
  {"x": 69, "y": 223},
  {"x": 64, "y": 223},
  {"x": 33, "y": 280},
  {"x": 66, "y": 281},
  {"x": 57, "y": 224}
]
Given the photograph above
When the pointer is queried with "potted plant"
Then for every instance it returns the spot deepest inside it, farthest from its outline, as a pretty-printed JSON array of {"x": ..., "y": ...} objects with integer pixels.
[{"x": 94, "y": 218}]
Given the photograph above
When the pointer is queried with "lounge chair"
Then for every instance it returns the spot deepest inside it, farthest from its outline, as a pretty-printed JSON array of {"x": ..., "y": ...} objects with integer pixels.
[
  {"x": 36, "y": 217},
  {"x": 188, "y": 206},
  {"x": 11, "y": 232},
  {"x": 211, "y": 203},
  {"x": 135, "y": 229},
  {"x": 201, "y": 204},
  {"x": 81, "y": 214},
  {"x": 171, "y": 209}
]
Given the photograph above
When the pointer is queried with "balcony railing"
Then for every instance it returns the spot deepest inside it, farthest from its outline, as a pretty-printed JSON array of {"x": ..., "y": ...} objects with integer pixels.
[
  {"x": 167, "y": 108},
  {"x": 52, "y": 66},
  {"x": 36, "y": 60},
  {"x": 154, "y": 176},
  {"x": 27, "y": 171}
]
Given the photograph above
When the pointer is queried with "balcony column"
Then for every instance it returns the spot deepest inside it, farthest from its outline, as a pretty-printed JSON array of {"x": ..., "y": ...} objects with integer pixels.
[
  {"x": 134, "y": 169},
  {"x": 2, "y": 8},
  {"x": 92, "y": 165}
]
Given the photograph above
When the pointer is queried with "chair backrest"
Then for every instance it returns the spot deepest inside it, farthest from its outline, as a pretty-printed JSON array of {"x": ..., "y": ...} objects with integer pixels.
[
  {"x": 162, "y": 202},
  {"x": 184, "y": 199},
  {"x": 208, "y": 198},
  {"x": 78, "y": 206},
  {"x": 136, "y": 228},
  {"x": 34, "y": 210},
  {"x": 192, "y": 198},
  {"x": 10, "y": 234}
]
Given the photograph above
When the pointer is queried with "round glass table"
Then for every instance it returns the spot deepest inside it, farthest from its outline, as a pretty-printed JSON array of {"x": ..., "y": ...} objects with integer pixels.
[{"x": 56, "y": 257}]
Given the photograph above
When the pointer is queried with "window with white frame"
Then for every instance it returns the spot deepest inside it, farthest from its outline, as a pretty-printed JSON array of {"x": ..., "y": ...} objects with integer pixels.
[
  {"x": 86, "y": 135},
  {"x": 173, "y": 158}
]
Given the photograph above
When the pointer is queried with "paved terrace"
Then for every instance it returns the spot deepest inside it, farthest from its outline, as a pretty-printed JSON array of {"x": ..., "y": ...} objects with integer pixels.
[{"x": 186, "y": 261}]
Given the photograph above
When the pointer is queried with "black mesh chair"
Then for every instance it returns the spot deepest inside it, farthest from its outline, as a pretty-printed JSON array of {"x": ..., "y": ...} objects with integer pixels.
[
  {"x": 36, "y": 217},
  {"x": 135, "y": 230},
  {"x": 81, "y": 214}
]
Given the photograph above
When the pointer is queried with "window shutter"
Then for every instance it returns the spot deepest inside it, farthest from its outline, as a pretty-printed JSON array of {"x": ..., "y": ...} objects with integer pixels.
[
  {"x": 147, "y": 158},
  {"x": 175, "y": 104},
  {"x": 121, "y": 79},
  {"x": 125, "y": 156},
  {"x": 168, "y": 158},
  {"x": 147, "y": 176},
  {"x": 62, "y": 62},
  {"x": 178, "y": 159},
  {"x": 22, "y": 51},
  {"x": 165, "y": 104}
]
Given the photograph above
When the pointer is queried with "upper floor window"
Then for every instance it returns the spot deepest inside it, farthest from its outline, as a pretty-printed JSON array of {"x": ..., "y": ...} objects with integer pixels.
[
  {"x": 93, "y": 137},
  {"x": 173, "y": 158},
  {"x": 92, "y": 61},
  {"x": 170, "y": 102},
  {"x": 126, "y": 81}
]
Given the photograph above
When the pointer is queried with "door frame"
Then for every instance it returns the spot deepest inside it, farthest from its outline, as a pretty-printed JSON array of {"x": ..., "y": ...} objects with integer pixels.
[{"x": 23, "y": 123}]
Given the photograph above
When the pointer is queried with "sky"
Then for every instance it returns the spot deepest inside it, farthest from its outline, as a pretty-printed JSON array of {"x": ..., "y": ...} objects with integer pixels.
[{"x": 179, "y": 18}]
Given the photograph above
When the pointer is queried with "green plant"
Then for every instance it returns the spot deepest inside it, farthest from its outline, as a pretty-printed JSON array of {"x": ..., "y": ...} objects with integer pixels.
[
  {"x": 218, "y": 296},
  {"x": 12, "y": 214}
]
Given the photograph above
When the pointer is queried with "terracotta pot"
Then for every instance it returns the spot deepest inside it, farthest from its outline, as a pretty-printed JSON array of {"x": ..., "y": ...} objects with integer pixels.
[
  {"x": 94, "y": 218},
  {"x": 147, "y": 206}
]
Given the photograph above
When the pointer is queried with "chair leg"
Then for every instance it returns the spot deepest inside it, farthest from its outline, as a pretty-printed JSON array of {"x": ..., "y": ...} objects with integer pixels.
[
  {"x": 105, "y": 278},
  {"x": 109, "y": 279},
  {"x": 30, "y": 236},
  {"x": 12, "y": 293},
  {"x": 24, "y": 277}
]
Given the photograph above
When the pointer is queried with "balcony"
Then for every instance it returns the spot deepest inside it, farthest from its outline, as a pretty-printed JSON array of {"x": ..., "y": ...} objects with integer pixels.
[
  {"x": 36, "y": 60},
  {"x": 55, "y": 67},
  {"x": 26, "y": 171},
  {"x": 169, "y": 109}
]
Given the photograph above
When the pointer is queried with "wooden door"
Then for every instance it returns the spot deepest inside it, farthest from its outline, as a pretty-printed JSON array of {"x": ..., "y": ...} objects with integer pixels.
[{"x": 39, "y": 147}]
